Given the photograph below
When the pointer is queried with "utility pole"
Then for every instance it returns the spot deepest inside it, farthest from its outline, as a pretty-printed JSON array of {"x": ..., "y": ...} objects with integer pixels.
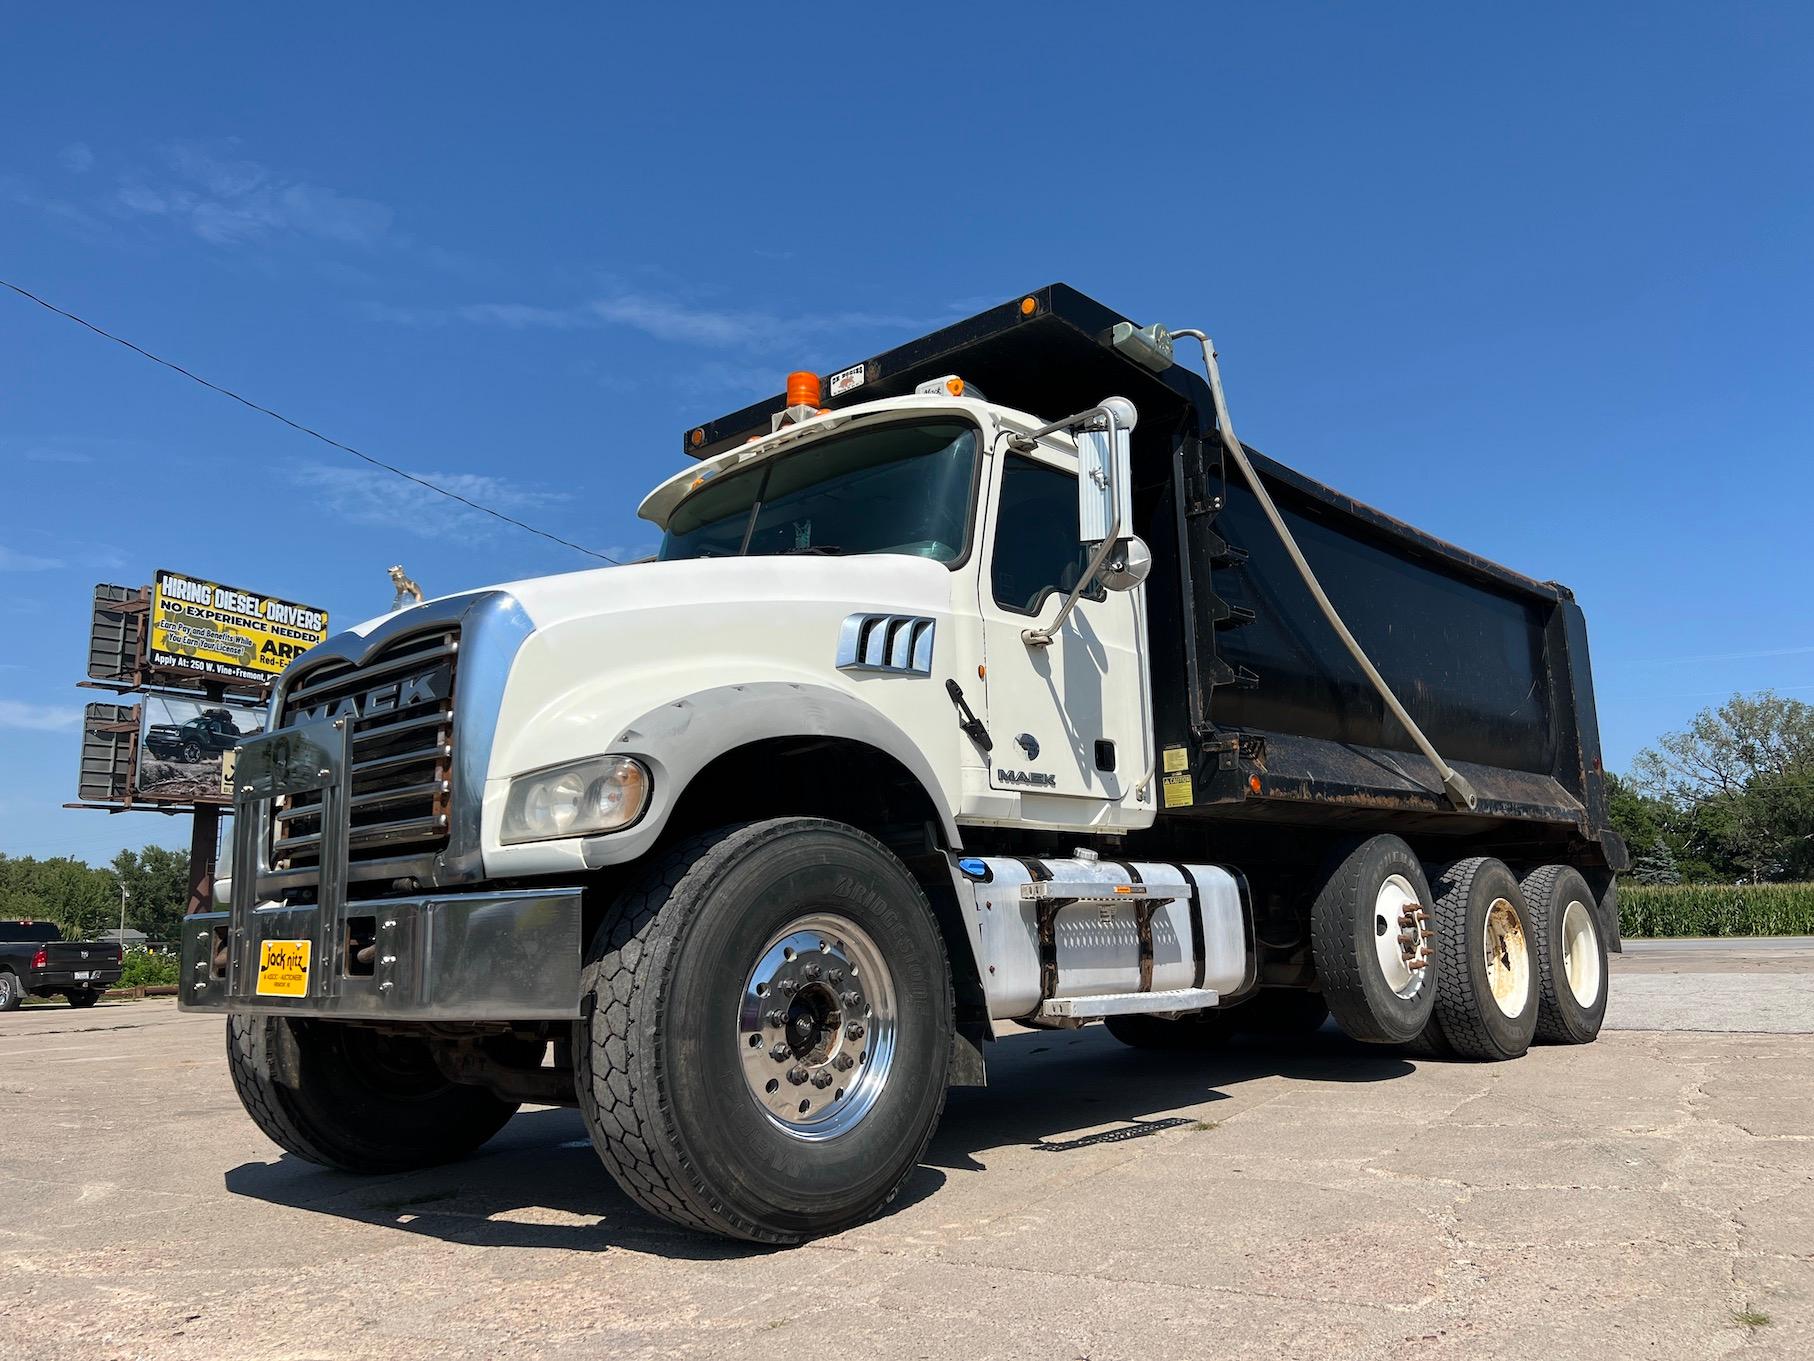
[{"x": 124, "y": 895}]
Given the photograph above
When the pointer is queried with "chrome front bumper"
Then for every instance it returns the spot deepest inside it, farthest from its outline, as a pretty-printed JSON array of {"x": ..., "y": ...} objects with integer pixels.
[{"x": 466, "y": 956}]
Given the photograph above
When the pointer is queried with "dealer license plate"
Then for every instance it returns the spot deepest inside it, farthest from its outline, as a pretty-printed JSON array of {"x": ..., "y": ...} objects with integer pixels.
[{"x": 283, "y": 968}]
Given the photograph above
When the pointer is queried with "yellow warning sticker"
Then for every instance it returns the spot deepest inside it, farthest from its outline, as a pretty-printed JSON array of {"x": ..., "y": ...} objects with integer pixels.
[
  {"x": 1177, "y": 790},
  {"x": 1176, "y": 759},
  {"x": 283, "y": 968}
]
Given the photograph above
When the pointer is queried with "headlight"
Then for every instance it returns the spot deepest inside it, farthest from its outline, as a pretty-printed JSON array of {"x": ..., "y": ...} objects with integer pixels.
[{"x": 597, "y": 795}]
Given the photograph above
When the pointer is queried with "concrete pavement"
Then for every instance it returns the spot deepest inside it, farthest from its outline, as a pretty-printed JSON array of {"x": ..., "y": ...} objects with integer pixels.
[{"x": 1632, "y": 1197}]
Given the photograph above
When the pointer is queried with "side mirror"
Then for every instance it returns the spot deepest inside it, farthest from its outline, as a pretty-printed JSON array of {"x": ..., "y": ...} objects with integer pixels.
[
  {"x": 1129, "y": 565},
  {"x": 1105, "y": 499}
]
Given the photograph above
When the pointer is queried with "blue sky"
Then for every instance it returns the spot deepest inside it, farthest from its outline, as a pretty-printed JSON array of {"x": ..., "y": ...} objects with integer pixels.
[{"x": 1537, "y": 279}]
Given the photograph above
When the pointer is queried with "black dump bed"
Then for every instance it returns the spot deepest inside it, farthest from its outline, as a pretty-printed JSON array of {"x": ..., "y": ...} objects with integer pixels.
[{"x": 1275, "y": 720}]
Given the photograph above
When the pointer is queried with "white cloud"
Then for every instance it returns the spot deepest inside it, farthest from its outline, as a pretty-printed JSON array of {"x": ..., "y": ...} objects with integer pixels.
[
  {"x": 663, "y": 318},
  {"x": 233, "y": 202},
  {"x": 17, "y": 191},
  {"x": 16, "y": 713},
  {"x": 11, "y": 560},
  {"x": 77, "y": 158},
  {"x": 381, "y": 500}
]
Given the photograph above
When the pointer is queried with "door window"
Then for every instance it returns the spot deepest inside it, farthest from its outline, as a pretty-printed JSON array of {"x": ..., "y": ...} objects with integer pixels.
[{"x": 1036, "y": 547}]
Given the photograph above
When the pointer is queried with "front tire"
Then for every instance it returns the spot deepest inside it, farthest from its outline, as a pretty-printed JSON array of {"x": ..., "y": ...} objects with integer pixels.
[
  {"x": 353, "y": 1098},
  {"x": 767, "y": 1026},
  {"x": 1570, "y": 954}
]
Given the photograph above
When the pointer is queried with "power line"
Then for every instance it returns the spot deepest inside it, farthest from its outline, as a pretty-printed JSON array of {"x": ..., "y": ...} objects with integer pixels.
[{"x": 105, "y": 334}]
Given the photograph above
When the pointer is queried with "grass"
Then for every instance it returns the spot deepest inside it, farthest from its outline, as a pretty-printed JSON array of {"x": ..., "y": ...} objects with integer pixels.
[
  {"x": 1750, "y": 1318},
  {"x": 1204, "y": 1126},
  {"x": 1667, "y": 910}
]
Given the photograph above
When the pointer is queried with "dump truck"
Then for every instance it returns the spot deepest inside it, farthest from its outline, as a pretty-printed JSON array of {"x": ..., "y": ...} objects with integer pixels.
[{"x": 988, "y": 682}]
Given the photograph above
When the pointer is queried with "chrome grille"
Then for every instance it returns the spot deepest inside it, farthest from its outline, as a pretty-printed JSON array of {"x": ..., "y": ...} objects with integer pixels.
[{"x": 400, "y": 703}]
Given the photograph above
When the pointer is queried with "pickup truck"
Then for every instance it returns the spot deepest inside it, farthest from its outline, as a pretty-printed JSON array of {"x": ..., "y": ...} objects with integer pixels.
[
  {"x": 36, "y": 961},
  {"x": 209, "y": 733}
]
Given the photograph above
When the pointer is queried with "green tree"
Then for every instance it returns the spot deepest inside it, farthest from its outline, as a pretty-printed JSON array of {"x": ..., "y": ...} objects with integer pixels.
[
  {"x": 1740, "y": 781},
  {"x": 158, "y": 881}
]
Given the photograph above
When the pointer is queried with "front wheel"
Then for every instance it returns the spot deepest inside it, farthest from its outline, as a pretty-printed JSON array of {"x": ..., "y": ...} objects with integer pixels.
[
  {"x": 767, "y": 1028},
  {"x": 354, "y": 1098}
]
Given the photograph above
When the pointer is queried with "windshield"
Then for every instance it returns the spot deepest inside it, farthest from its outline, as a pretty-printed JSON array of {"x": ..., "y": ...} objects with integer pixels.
[{"x": 889, "y": 489}]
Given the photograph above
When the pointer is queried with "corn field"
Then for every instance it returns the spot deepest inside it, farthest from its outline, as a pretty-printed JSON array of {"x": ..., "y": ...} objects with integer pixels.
[{"x": 1716, "y": 909}]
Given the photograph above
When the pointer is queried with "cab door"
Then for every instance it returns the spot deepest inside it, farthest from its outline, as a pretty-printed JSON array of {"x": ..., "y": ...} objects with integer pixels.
[{"x": 1067, "y": 718}]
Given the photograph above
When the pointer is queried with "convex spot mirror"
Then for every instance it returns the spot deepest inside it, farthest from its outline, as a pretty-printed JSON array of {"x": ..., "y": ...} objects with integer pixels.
[{"x": 1128, "y": 566}]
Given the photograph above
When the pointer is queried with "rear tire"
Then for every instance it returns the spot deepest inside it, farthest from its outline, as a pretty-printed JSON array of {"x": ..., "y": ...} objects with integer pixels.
[
  {"x": 363, "y": 1101},
  {"x": 1199, "y": 1031},
  {"x": 767, "y": 1029},
  {"x": 12, "y": 992},
  {"x": 1486, "y": 976},
  {"x": 1570, "y": 954},
  {"x": 1371, "y": 965}
]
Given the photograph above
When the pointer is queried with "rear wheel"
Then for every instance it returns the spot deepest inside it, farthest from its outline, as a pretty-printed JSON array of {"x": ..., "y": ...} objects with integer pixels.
[
  {"x": 1570, "y": 954},
  {"x": 767, "y": 1030},
  {"x": 1370, "y": 939},
  {"x": 1486, "y": 977},
  {"x": 354, "y": 1098},
  {"x": 12, "y": 993},
  {"x": 1198, "y": 1030}
]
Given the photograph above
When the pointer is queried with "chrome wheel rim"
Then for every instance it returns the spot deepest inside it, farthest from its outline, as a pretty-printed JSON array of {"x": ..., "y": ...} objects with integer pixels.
[
  {"x": 1581, "y": 953},
  {"x": 1401, "y": 936},
  {"x": 1508, "y": 959},
  {"x": 816, "y": 1027}
]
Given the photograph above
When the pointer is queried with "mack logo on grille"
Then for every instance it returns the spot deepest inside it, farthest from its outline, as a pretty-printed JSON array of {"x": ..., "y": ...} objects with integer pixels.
[{"x": 429, "y": 688}]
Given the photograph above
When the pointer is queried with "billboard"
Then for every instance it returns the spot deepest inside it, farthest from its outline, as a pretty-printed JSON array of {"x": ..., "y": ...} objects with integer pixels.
[
  {"x": 183, "y": 742},
  {"x": 113, "y": 637},
  {"x": 108, "y": 735},
  {"x": 205, "y": 629}
]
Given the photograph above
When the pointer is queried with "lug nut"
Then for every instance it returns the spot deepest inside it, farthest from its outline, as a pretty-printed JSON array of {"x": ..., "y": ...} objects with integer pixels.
[
  {"x": 821, "y": 1079},
  {"x": 850, "y": 999},
  {"x": 854, "y": 1030},
  {"x": 789, "y": 987},
  {"x": 835, "y": 977},
  {"x": 812, "y": 971},
  {"x": 780, "y": 1053},
  {"x": 776, "y": 1016},
  {"x": 846, "y": 1063},
  {"x": 797, "y": 1076}
]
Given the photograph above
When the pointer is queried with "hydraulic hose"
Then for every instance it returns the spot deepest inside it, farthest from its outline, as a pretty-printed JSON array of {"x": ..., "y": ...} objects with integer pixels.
[{"x": 1460, "y": 792}]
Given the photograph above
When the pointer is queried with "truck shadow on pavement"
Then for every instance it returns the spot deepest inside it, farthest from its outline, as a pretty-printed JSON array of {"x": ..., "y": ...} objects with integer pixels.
[{"x": 539, "y": 1184}]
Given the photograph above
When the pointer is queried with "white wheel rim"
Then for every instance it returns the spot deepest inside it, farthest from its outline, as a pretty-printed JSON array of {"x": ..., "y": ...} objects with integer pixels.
[
  {"x": 1581, "y": 953},
  {"x": 1508, "y": 958},
  {"x": 1399, "y": 946}
]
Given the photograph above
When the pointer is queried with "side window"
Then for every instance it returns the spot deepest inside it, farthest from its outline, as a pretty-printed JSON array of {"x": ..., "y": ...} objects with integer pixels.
[{"x": 1036, "y": 548}]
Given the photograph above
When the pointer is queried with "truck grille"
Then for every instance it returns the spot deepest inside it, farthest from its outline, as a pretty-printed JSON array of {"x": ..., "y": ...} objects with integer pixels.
[{"x": 401, "y": 704}]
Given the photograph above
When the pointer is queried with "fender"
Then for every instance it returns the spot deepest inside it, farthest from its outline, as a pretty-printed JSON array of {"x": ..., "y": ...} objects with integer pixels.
[{"x": 682, "y": 737}]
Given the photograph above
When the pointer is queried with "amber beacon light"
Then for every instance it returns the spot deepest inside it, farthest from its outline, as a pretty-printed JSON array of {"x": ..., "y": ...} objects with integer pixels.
[{"x": 802, "y": 389}]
